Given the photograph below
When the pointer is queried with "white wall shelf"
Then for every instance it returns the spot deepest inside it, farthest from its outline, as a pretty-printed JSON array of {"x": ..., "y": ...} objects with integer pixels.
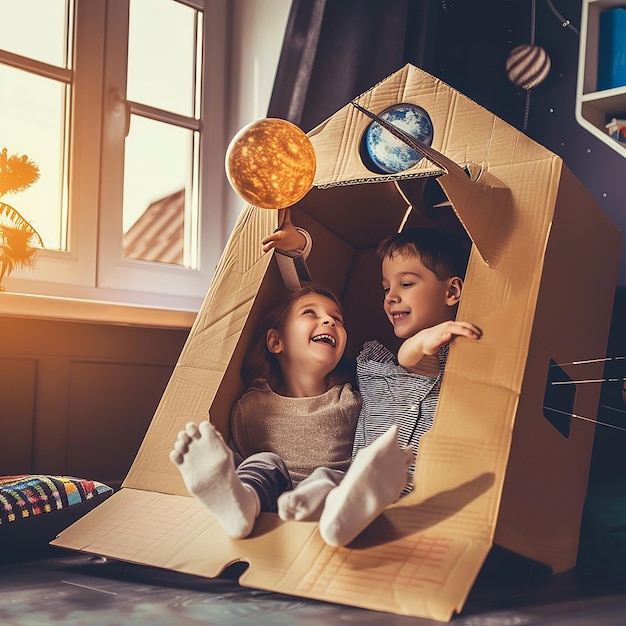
[{"x": 595, "y": 108}]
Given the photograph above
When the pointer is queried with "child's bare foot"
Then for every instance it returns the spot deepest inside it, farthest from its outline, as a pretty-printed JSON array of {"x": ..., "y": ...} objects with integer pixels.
[
  {"x": 374, "y": 481},
  {"x": 305, "y": 502},
  {"x": 206, "y": 465}
]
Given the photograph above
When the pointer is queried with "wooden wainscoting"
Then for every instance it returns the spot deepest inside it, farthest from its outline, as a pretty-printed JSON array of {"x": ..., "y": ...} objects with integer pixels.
[{"x": 77, "y": 398}]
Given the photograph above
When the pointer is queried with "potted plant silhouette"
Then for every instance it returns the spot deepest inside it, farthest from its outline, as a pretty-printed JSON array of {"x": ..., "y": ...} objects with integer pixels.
[{"x": 19, "y": 241}]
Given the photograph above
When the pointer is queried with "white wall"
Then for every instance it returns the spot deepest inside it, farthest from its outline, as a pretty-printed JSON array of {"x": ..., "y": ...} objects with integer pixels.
[{"x": 257, "y": 30}]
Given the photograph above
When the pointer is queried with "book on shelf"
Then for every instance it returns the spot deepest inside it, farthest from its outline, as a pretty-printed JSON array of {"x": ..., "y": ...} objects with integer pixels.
[{"x": 612, "y": 49}]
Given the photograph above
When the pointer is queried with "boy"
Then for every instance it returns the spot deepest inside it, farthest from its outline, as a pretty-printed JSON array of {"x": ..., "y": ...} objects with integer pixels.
[{"x": 422, "y": 279}]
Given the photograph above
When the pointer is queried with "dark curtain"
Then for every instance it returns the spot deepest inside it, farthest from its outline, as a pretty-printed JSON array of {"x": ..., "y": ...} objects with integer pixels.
[{"x": 335, "y": 50}]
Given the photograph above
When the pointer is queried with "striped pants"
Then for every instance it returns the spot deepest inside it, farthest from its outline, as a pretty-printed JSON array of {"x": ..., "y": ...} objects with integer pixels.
[{"x": 267, "y": 474}]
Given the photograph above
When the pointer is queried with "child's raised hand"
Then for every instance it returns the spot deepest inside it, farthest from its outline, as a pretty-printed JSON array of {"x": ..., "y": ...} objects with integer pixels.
[
  {"x": 429, "y": 340},
  {"x": 287, "y": 237}
]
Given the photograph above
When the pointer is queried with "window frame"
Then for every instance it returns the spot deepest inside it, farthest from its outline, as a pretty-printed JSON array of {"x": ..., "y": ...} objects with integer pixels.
[{"x": 93, "y": 268}]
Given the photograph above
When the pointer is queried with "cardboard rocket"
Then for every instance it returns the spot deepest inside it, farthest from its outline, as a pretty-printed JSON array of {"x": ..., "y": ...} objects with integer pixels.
[{"x": 505, "y": 464}]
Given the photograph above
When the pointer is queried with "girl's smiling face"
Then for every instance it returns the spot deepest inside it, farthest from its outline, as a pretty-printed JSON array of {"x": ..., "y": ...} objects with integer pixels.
[{"x": 312, "y": 337}]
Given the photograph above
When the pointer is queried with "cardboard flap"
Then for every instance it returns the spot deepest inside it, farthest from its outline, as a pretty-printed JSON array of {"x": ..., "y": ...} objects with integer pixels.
[
  {"x": 484, "y": 208},
  {"x": 164, "y": 530},
  {"x": 433, "y": 577}
]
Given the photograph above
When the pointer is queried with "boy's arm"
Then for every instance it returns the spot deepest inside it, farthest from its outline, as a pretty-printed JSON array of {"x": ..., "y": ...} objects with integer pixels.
[
  {"x": 288, "y": 238},
  {"x": 428, "y": 341}
]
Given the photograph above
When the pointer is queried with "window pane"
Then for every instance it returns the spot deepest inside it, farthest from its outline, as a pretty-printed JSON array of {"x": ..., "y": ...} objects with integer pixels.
[
  {"x": 161, "y": 55},
  {"x": 158, "y": 206},
  {"x": 36, "y": 29},
  {"x": 32, "y": 113}
]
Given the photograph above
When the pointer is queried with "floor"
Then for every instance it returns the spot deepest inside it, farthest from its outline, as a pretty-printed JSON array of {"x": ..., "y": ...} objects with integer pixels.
[{"x": 63, "y": 587}]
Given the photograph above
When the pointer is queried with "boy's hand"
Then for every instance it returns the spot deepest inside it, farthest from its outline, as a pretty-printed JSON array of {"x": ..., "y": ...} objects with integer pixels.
[
  {"x": 429, "y": 340},
  {"x": 287, "y": 237}
]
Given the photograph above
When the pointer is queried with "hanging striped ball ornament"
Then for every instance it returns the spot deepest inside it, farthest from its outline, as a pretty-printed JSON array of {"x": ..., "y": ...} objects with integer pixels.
[{"x": 527, "y": 66}]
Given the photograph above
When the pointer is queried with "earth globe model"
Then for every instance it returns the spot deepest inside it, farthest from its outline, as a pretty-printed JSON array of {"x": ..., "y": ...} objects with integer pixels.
[{"x": 388, "y": 154}]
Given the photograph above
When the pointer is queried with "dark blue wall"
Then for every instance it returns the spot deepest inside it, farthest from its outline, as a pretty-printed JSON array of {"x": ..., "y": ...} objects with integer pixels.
[
  {"x": 468, "y": 47},
  {"x": 469, "y": 42}
]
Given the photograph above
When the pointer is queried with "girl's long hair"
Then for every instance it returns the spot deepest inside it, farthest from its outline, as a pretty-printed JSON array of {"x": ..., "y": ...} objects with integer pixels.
[{"x": 261, "y": 364}]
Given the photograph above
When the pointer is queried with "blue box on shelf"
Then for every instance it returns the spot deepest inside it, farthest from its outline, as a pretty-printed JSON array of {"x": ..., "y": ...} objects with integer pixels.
[{"x": 612, "y": 49}]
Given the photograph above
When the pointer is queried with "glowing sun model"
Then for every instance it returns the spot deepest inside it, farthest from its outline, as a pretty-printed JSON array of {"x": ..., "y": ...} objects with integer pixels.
[{"x": 271, "y": 163}]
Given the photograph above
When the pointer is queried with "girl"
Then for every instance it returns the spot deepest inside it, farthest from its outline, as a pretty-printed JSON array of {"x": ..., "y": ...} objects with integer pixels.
[{"x": 298, "y": 413}]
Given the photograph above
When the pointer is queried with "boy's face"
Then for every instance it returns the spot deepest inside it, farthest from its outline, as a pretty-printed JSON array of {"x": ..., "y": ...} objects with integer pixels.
[{"x": 415, "y": 298}]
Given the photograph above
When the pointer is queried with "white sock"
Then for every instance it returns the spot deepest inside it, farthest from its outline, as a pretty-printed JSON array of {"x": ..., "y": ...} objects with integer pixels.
[
  {"x": 206, "y": 465},
  {"x": 306, "y": 500},
  {"x": 373, "y": 482}
]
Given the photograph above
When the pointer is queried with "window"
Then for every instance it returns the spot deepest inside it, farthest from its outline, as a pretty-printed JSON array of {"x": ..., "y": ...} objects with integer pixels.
[{"x": 120, "y": 104}]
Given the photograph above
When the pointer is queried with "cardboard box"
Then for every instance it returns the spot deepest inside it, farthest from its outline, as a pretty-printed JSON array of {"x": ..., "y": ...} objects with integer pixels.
[{"x": 499, "y": 466}]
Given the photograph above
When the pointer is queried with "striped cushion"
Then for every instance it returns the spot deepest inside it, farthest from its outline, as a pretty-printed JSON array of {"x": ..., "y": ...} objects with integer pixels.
[{"x": 28, "y": 496}]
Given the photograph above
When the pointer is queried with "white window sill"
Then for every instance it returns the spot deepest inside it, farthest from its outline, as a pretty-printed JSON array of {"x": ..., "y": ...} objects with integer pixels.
[{"x": 75, "y": 310}]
